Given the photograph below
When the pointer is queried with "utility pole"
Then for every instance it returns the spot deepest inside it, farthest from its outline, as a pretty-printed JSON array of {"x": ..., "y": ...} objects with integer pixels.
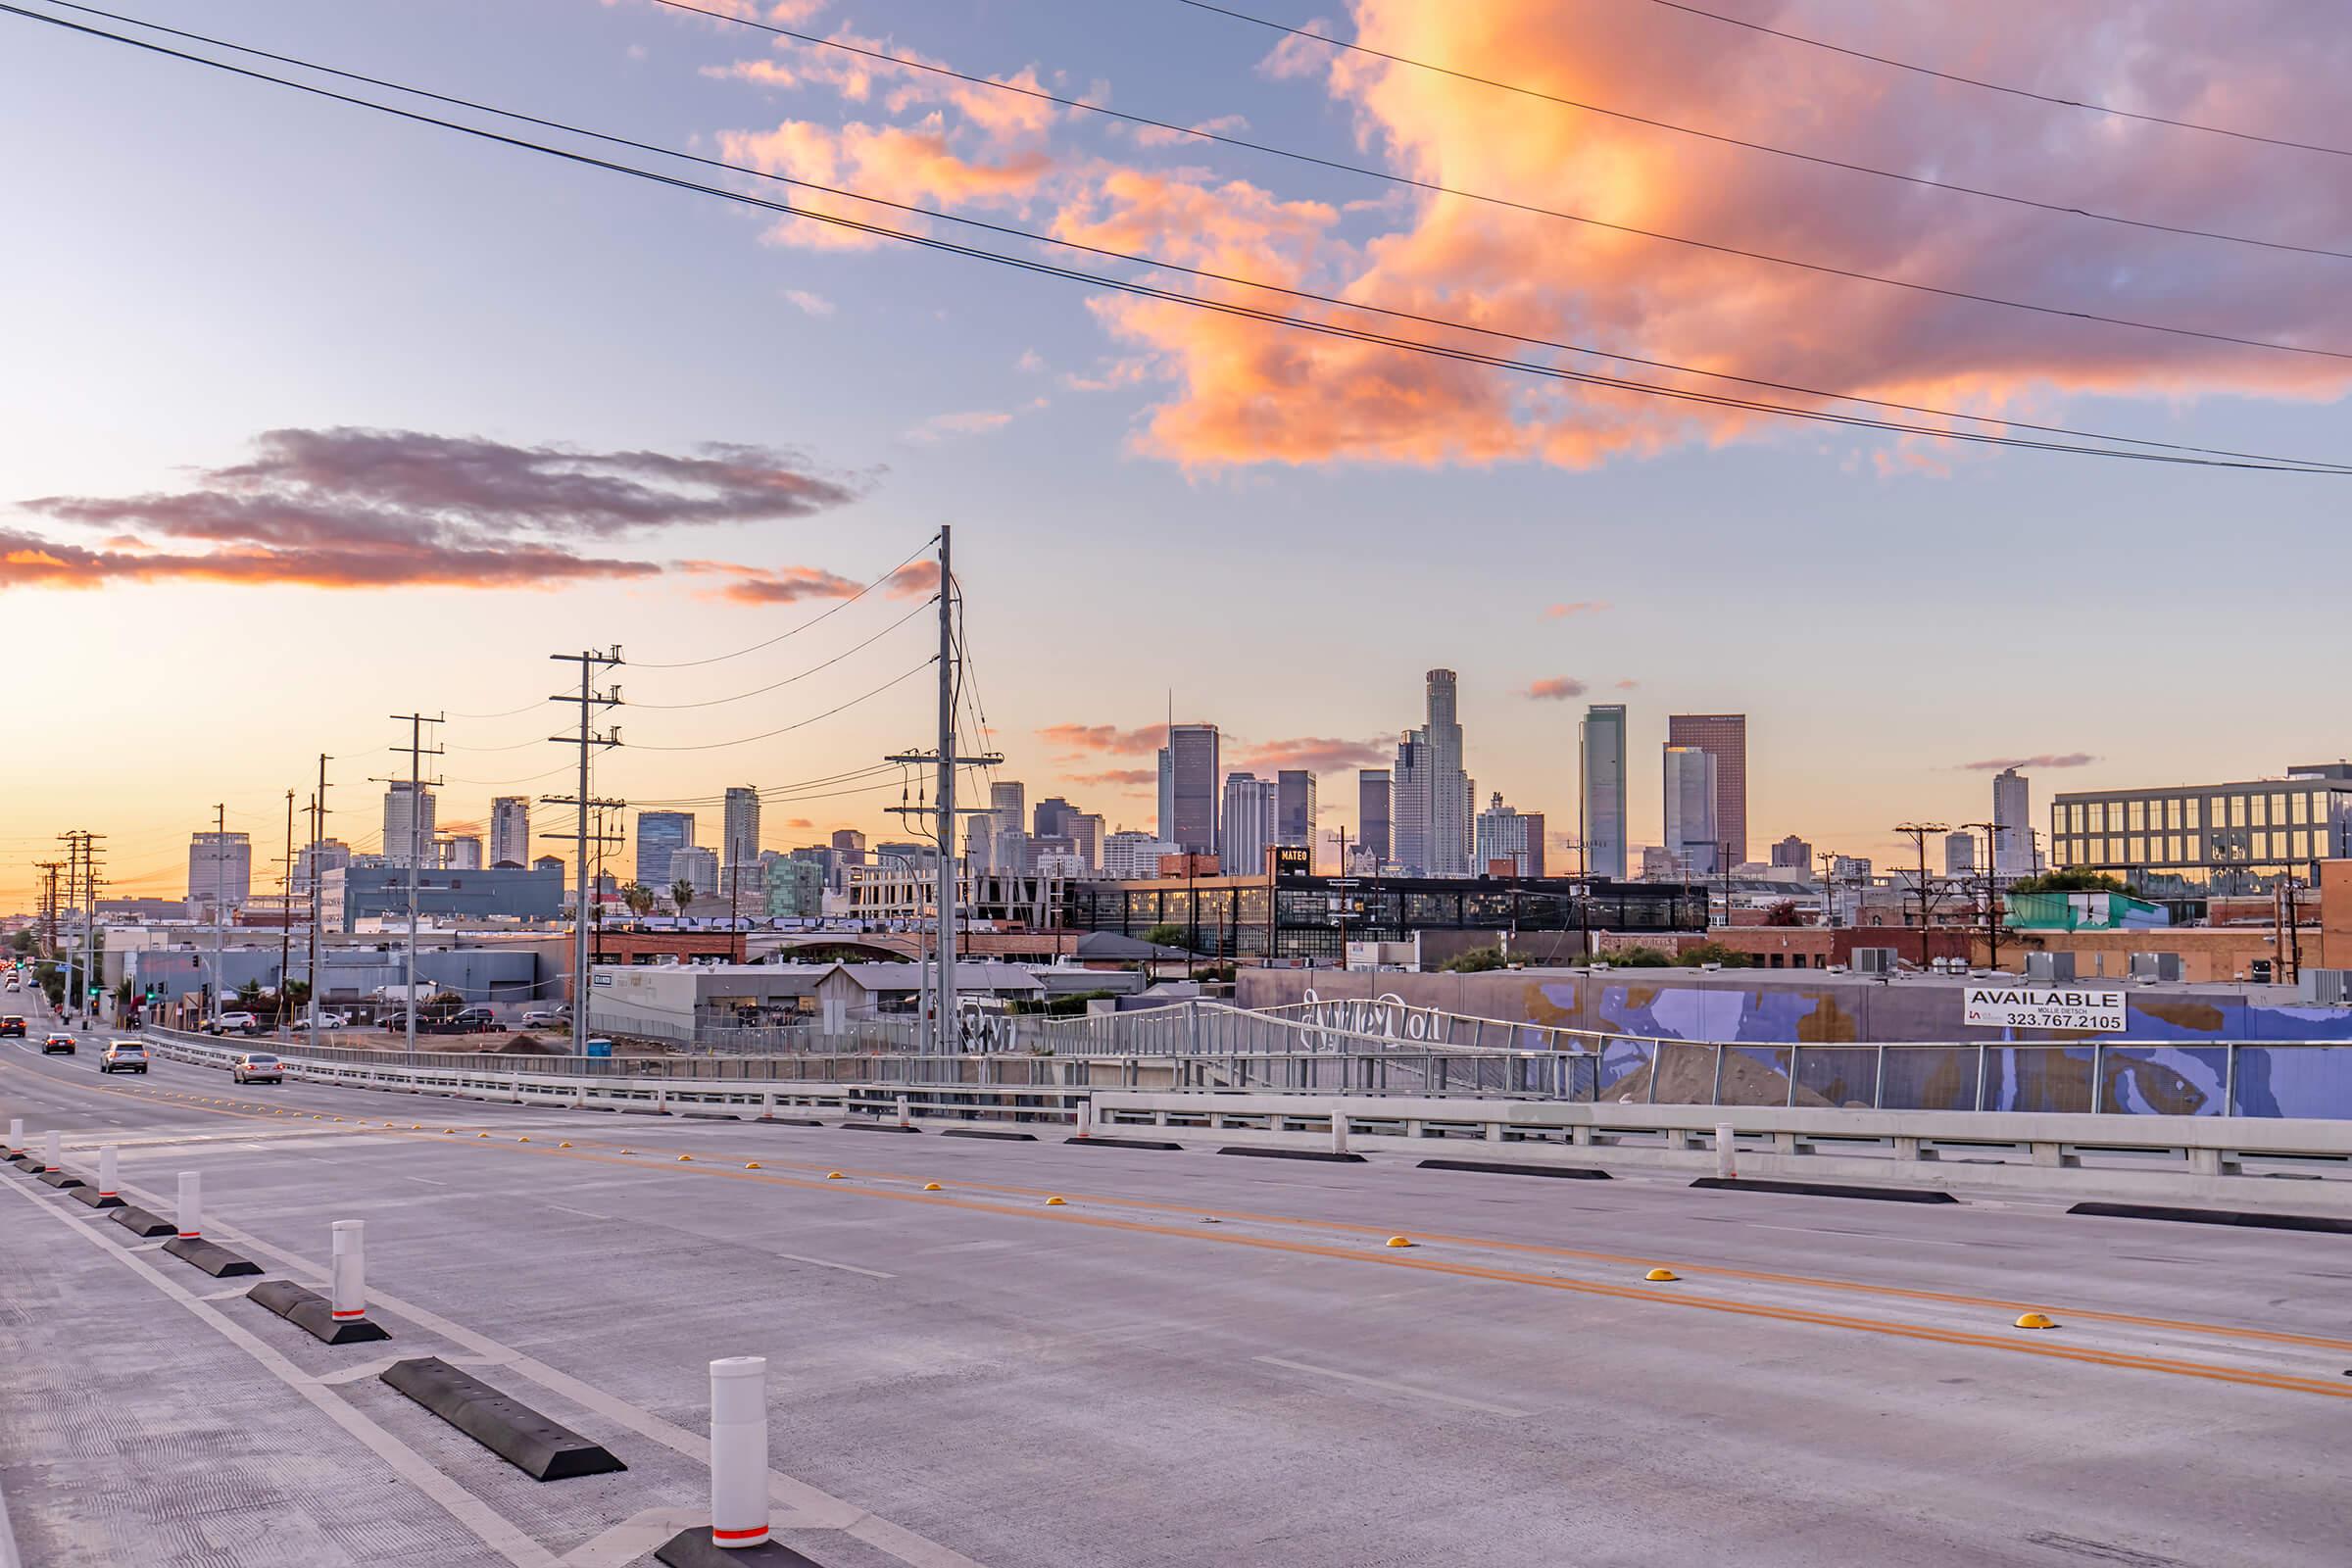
[
  {"x": 75, "y": 845},
  {"x": 1829, "y": 887},
  {"x": 1918, "y": 833},
  {"x": 89, "y": 916},
  {"x": 1992, "y": 891},
  {"x": 49, "y": 904},
  {"x": 417, "y": 751},
  {"x": 590, "y": 743},
  {"x": 317, "y": 833},
  {"x": 220, "y": 897},
  {"x": 943, "y": 811},
  {"x": 285, "y": 924},
  {"x": 1723, "y": 860}
]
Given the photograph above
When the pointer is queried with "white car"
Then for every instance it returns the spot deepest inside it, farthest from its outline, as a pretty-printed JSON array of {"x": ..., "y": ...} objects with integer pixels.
[
  {"x": 327, "y": 1020},
  {"x": 232, "y": 1024},
  {"x": 545, "y": 1018}
]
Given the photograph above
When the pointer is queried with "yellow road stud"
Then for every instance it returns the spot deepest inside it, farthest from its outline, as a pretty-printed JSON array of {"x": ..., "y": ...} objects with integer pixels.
[
  {"x": 566, "y": 1143},
  {"x": 1662, "y": 1275},
  {"x": 751, "y": 1165},
  {"x": 930, "y": 1187},
  {"x": 834, "y": 1176},
  {"x": 2036, "y": 1320},
  {"x": 685, "y": 1157},
  {"x": 1399, "y": 1240},
  {"x": 1051, "y": 1203}
]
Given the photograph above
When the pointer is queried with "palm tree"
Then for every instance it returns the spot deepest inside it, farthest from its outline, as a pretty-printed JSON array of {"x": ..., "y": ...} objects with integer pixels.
[
  {"x": 639, "y": 898},
  {"x": 681, "y": 893}
]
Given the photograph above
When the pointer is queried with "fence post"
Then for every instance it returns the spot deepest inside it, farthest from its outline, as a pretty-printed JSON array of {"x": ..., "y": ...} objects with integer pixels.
[
  {"x": 2099, "y": 1074},
  {"x": 2228, "y": 1079},
  {"x": 739, "y": 1451},
  {"x": 1795, "y": 1051},
  {"x": 1715, "y": 1095}
]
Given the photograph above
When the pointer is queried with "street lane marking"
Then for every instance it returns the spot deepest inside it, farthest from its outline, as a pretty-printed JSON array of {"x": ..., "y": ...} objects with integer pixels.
[
  {"x": 569, "y": 1209},
  {"x": 1394, "y": 1387},
  {"x": 820, "y": 1262}
]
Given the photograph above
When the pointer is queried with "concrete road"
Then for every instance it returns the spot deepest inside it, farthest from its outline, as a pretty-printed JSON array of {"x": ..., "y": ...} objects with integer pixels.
[{"x": 1194, "y": 1358}]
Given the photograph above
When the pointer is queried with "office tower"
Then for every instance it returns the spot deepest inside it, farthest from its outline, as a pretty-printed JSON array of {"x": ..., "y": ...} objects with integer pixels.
[
  {"x": 1509, "y": 841},
  {"x": 1601, "y": 760},
  {"x": 739, "y": 854},
  {"x": 220, "y": 873},
  {"x": 2013, "y": 824},
  {"x": 462, "y": 852},
  {"x": 1052, "y": 818},
  {"x": 1248, "y": 825},
  {"x": 1086, "y": 838},
  {"x": 1724, "y": 737},
  {"x": 319, "y": 858},
  {"x": 1960, "y": 853},
  {"x": 850, "y": 843},
  {"x": 1431, "y": 806},
  {"x": 1372, "y": 836},
  {"x": 1188, "y": 788},
  {"x": 1846, "y": 869},
  {"x": 1792, "y": 851},
  {"x": 1295, "y": 807},
  {"x": 1692, "y": 788},
  {"x": 697, "y": 865},
  {"x": 1129, "y": 856},
  {"x": 510, "y": 830},
  {"x": 661, "y": 835},
  {"x": 408, "y": 833}
]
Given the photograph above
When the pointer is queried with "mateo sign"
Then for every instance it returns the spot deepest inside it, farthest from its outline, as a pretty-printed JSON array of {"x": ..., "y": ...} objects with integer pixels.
[{"x": 2038, "y": 1007}]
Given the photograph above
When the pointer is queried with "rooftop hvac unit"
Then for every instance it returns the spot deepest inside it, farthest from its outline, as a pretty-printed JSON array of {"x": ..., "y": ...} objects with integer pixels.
[
  {"x": 2050, "y": 968},
  {"x": 2327, "y": 988},
  {"x": 1874, "y": 961},
  {"x": 2156, "y": 966}
]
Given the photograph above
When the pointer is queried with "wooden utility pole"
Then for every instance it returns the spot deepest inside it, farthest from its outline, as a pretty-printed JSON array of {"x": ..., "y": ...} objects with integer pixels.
[{"x": 1918, "y": 833}]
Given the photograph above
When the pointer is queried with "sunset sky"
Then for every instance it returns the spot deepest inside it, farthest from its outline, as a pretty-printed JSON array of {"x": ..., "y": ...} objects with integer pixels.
[{"x": 310, "y": 416}]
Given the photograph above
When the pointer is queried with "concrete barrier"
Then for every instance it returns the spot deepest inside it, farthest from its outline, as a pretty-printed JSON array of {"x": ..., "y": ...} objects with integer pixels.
[
  {"x": 541, "y": 1448},
  {"x": 307, "y": 1310},
  {"x": 215, "y": 1259},
  {"x": 143, "y": 1224}
]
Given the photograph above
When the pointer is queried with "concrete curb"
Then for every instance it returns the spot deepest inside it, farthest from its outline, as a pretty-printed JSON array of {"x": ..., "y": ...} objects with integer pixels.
[
  {"x": 142, "y": 1224},
  {"x": 692, "y": 1548},
  {"x": 868, "y": 1127},
  {"x": 215, "y": 1259},
  {"x": 97, "y": 1199},
  {"x": 2251, "y": 1218},
  {"x": 311, "y": 1311},
  {"x": 1502, "y": 1167},
  {"x": 1325, "y": 1156},
  {"x": 543, "y": 1450},
  {"x": 787, "y": 1121},
  {"x": 988, "y": 1132},
  {"x": 1884, "y": 1194},
  {"x": 1120, "y": 1142}
]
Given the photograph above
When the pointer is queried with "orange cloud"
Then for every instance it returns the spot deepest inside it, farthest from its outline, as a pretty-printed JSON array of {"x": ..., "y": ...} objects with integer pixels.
[
  {"x": 1556, "y": 688},
  {"x": 1582, "y": 607}
]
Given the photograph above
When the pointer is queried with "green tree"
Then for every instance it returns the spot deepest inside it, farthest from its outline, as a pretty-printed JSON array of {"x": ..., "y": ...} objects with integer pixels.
[
  {"x": 1475, "y": 961},
  {"x": 639, "y": 898},
  {"x": 2070, "y": 879},
  {"x": 1717, "y": 952},
  {"x": 249, "y": 996},
  {"x": 681, "y": 893},
  {"x": 1168, "y": 935},
  {"x": 1641, "y": 958}
]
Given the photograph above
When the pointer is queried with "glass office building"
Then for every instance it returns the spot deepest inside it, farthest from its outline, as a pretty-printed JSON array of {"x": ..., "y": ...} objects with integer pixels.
[{"x": 2186, "y": 842}]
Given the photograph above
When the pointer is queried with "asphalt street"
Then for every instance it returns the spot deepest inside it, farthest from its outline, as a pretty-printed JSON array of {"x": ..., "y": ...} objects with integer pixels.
[{"x": 1192, "y": 1359}]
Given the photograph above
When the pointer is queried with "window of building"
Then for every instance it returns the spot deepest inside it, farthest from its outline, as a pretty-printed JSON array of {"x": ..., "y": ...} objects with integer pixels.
[
  {"x": 2300, "y": 806},
  {"x": 2238, "y": 810},
  {"x": 2171, "y": 813},
  {"x": 2195, "y": 808},
  {"x": 2136, "y": 817}
]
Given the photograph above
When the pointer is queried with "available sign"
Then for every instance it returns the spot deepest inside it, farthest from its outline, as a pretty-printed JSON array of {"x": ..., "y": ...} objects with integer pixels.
[{"x": 2039, "y": 1008}]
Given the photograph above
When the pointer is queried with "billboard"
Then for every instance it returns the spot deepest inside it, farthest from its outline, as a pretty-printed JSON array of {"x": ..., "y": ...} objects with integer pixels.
[{"x": 2043, "y": 1007}]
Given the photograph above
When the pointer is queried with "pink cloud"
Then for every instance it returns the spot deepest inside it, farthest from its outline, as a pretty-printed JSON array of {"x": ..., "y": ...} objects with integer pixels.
[{"x": 1556, "y": 688}]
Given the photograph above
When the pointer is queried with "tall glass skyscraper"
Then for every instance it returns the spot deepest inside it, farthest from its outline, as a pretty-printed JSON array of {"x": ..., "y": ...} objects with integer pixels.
[
  {"x": 1601, "y": 755},
  {"x": 1294, "y": 807},
  {"x": 1188, "y": 788},
  {"x": 1724, "y": 737},
  {"x": 1372, "y": 813},
  {"x": 1431, "y": 791},
  {"x": 661, "y": 835},
  {"x": 1693, "y": 832}
]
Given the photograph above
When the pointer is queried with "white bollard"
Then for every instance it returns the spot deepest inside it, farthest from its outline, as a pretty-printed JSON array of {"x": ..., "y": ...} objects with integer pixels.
[
  {"x": 739, "y": 1451},
  {"x": 905, "y": 1119},
  {"x": 15, "y": 1135},
  {"x": 191, "y": 1204},
  {"x": 105, "y": 1172},
  {"x": 1339, "y": 1132},
  {"x": 1725, "y": 1165},
  {"x": 349, "y": 1272},
  {"x": 1086, "y": 1118},
  {"x": 54, "y": 1151}
]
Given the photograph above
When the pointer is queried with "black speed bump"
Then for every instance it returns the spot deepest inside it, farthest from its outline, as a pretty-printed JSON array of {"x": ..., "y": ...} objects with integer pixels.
[
  {"x": 309, "y": 1311},
  {"x": 694, "y": 1548},
  {"x": 1884, "y": 1194},
  {"x": 877, "y": 1127},
  {"x": 2254, "y": 1218},
  {"x": 539, "y": 1448},
  {"x": 212, "y": 1258},
  {"x": 96, "y": 1199},
  {"x": 60, "y": 1180},
  {"x": 142, "y": 1223},
  {"x": 1097, "y": 1141},
  {"x": 1252, "y": 1151},
  {"x": 1505, "y": 1167},
  {"x": 989, "y": 1132}
]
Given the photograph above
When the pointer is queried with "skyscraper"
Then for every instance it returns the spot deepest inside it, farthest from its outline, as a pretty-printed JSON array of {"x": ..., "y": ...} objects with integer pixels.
[
  {"x": 1052, "y": 818},
  {"x": 408, "y": 833},
  {"x": 1189, "y": 776},
  {"x": 510, "y": 830},
  {"x": 1086, "y": 831},
  {"x": 1510, "y": 839},
  {"x": 220, "y": 873},
  {"x": 1724, "y": 737},
  {"x": 696, "y": 866},
  {"x": 2013, "y": 822},
  {"x": 739, "y": 857},
  {"x": 1693, "y": 835},
  {"x": 1601, "y": 757},
  {"x": 1248, "y": 825},
  {"x": 1792, "y": 851},
  {"x": 661, "y": 835},
  {"x": 1295, "y": 807},
  {"x": 1431, "y": 794},
  {"x": 460, "y": 851},
  {"x": 1960, "y": 853},
  {"x": 1372, "y": 835}
]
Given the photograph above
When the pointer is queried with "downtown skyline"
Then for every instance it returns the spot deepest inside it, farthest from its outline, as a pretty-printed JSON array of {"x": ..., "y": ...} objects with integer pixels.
[{"x": 771, "y": 424}]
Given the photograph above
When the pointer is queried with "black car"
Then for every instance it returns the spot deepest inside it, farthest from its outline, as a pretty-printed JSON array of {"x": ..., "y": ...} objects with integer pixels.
[
  {"x": 57, "y": 1043},
  {"x": 12, "y": 1024}
]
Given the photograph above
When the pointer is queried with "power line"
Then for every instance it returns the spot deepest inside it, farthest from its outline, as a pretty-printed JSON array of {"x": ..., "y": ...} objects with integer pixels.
[
  {"x": 686, "y": 663},
  {"x": 2162, "y": 454},
  {"x": 714, "y": 702},
  {"x": 2064, "y": 209},
  {"x": 745, "y": 740},
  {"x": 2257, "y": 459},
  {"x": 1995, "y": 86}
]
